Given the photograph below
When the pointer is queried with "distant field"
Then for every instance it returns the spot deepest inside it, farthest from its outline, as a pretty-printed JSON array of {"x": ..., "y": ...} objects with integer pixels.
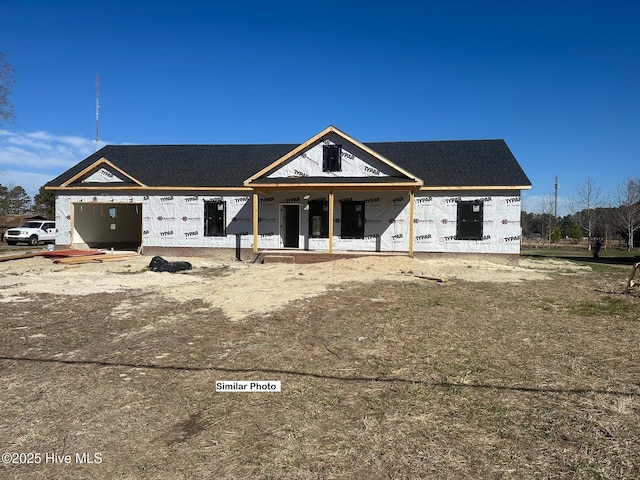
[
  {"x": 418, "y": 379},
  {"x": 617, "y": 252},
  {"x": 613, "y": 256}
]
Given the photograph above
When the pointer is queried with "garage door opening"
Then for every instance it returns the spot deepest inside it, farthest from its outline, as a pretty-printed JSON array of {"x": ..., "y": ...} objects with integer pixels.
[{"x": 107, "y": 225}]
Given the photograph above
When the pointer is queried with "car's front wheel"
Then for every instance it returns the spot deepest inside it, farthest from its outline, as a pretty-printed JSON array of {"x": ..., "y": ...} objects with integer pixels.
[{"x": 33, "y": 240}]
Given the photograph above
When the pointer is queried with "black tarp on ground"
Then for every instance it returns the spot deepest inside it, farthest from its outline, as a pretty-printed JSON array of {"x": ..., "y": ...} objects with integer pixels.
[{"x": 159, "y": 264}]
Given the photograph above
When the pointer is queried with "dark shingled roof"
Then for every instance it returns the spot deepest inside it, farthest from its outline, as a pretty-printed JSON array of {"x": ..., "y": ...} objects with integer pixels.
[
  {"x": 185, "y": 165},
  {"x": 458, "y": 163}
]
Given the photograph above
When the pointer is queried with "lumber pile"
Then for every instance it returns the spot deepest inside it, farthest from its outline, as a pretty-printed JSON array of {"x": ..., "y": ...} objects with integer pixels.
[
  {"x": 113, "y": 257},
  {"x": 18, "y": 256},
  {"x": 71, "y": 253},
  {"x": 73, "y": 257},
  {"x": 50, "y": 254}
]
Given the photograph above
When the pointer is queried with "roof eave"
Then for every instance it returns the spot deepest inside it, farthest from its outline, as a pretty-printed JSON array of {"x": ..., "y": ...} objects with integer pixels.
[
  {"x": 475, "y": 187},
  {"x": 147, "y": 188},
  {"x": 338, "y": 186}
]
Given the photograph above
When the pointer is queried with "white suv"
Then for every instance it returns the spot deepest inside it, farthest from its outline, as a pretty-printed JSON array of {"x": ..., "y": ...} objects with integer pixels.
[{"x": 32, "y": 232}]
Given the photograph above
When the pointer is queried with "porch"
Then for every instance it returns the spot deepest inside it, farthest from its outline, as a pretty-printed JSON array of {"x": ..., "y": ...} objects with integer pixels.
[{"x": 304, "y": 256}]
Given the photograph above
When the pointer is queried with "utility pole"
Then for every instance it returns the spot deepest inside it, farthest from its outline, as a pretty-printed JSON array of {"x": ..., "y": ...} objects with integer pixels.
[
  {"x": 97, "y": 108},
  {"x": 555, "y": 199}
]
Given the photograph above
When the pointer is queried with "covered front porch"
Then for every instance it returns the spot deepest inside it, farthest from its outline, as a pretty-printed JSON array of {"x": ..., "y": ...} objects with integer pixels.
[
  {"x": 345, "y": 220},
  {"x": 304, "y": 256}
]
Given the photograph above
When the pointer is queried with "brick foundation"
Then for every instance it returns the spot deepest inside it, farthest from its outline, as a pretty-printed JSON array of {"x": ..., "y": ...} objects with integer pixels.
[{"x": 303, "y": 256}]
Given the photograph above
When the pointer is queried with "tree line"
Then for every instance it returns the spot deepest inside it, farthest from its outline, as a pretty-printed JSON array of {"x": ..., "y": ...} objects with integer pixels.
[
  {"x": 612, "y": 221},
  {"x": 592, "y": 220},
  {"x": 15, "y": 201}
]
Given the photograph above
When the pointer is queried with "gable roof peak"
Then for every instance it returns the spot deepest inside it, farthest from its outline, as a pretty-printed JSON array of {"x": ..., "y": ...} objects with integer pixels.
[{"x": 316, "y": 139}]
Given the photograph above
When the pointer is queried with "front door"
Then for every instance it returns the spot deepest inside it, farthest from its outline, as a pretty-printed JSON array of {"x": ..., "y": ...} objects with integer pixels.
[{"x": 290, "y": 225}]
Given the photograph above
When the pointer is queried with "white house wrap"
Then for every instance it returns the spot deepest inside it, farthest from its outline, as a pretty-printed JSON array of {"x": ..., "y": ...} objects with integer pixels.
[{"x": 331, "y": 194}]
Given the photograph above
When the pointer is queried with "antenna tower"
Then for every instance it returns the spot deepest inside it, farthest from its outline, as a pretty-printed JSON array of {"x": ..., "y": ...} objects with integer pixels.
[{"x": 97, "y": 109}]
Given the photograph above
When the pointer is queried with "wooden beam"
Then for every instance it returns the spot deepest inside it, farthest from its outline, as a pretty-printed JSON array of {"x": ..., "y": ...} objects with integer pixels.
[
  {"x": 140, "y": 249},
  {"x": 111, "y": 257},
  {"x": 5, "y": 258},
  {"x": 374, "y": 154},
  {"x": 339, "y": 186},
  {"x": 126, "y": 188},
  {"x": 291, "y": 154},
  {"x": 255, "y": 222},
  {"x": 331, "y": 222},
  {"x": 72, "y": 222},
  {"x": 472, "y": 188},
  {"x": 97, "y": 164},
  {"x": 411, "y": 201}
]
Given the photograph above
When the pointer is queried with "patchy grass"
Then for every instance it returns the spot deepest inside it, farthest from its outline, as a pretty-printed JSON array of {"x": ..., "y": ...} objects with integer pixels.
[
  {"x": 131, "y": 272},
  {"x": 606, "y": 306},
  {"x": 385, "y": 380},
  {"x": 579, "y": 252},
  {"x": 213, "y": 272}
]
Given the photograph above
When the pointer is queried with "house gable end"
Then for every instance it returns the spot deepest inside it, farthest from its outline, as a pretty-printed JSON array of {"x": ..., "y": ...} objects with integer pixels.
[
  {"x": 356, "y": 162},
  {"x": 104, "y": 173}
]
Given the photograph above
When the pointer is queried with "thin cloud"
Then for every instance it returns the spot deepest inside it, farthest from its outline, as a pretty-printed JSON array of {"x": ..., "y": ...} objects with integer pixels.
[
  {"x": 30, "y": 181},
  {"x": 31, "y": 159}
]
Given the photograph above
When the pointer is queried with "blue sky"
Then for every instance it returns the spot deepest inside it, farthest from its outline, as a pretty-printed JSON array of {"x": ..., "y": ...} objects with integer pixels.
[{"x": 558, "y": 80}]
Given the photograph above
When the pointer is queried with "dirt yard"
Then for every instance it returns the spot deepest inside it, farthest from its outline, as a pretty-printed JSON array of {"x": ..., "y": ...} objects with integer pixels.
[
  {"x": 245, "y": 288},
  {"x": 109, "y": 370}
]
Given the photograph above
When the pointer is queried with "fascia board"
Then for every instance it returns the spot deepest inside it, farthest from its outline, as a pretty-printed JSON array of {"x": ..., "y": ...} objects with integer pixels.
[
  {"x": 315, "y": 139},
  {"x": 95, "y": 166},
  {"x": 478, "y": 187}
]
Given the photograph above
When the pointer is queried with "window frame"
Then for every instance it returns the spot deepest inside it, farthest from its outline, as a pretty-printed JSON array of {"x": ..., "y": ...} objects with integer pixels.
[
  {"x": 113, "y": 215},
  {"x": 470, "y": 224},
  {"x": 321, "y": 207},
  {"x": 359, "y": 234},
  {"x": 220, "y": 223},
  {"x": 332, "y": 158}
]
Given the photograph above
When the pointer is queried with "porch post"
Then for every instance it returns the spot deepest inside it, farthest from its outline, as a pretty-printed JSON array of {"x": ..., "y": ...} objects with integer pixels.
[
  {"x": 72, "y": 210},
  {"x": 330, "y": 222},
  {"x": 255, "y": 222},
  {"x": 411, "y": 200}
]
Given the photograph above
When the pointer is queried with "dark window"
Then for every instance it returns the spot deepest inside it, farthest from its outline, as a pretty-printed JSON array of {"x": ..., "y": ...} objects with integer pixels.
[
  {"x": 352, "y": 221},
  {"x": 214, "y": 219},
  {"x": 319, "y": 219},
  {"x": 112, "y": 218},
  {"x": 469, "y": 221},
  {"x": 331, "y": 158}
]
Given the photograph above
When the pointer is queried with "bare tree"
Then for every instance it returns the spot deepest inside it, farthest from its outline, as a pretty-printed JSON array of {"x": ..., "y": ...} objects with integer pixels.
[
  {"x": 627, "y": 215},
  {"x": 7, "y": 113},
  {"x": 588, "y": 198},
  {"x": 547, "y": 206}
]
